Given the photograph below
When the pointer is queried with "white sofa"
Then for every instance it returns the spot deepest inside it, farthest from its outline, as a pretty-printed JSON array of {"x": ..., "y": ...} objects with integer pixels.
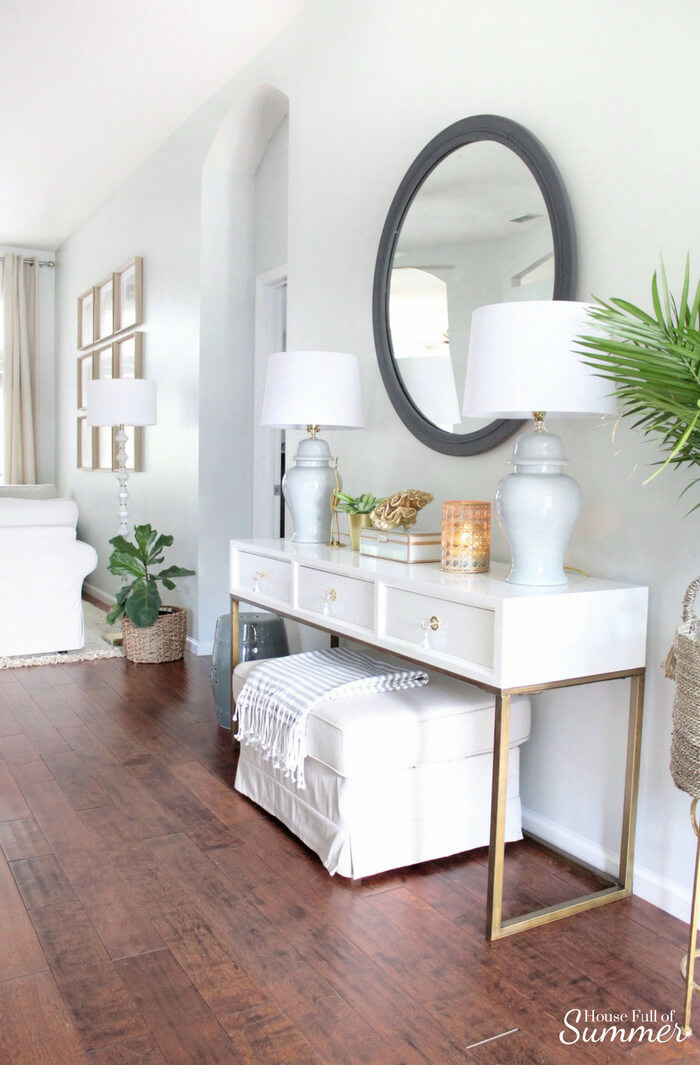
[
  {"x": 42, "y": 568},
  {"x": 393, "y": 778}
]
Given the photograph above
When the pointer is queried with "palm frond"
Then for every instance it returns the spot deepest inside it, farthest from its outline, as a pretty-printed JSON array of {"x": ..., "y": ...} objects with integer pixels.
[{"x": 653, "y": 363}]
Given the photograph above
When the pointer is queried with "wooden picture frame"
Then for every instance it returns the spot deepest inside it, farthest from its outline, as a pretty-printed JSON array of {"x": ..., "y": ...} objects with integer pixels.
[
  {"x": 86, "y": 372},
  {"x": 128, "y": 356},
  {"x": 87, "y": 323},
  {"x": 103, "y": 368},
  {"x": 105, "y": 301},
  {"x": 128, "y": 290},
  {"x": 86, "y": 444}
]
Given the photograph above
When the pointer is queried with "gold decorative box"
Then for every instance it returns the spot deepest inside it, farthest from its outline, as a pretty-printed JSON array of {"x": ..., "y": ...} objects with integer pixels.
[{"x": 400, "y": 546}]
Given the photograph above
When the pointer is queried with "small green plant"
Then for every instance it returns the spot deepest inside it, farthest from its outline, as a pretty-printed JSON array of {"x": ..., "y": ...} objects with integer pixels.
[
  {"x": 653, "y": 361},
  {"x": 363, "y": 504},
  {"x": 140, "y": 600}
]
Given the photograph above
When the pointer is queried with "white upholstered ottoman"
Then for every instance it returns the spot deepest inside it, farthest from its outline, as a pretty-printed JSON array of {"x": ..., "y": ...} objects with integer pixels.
[{"x": 392, "y": 779}]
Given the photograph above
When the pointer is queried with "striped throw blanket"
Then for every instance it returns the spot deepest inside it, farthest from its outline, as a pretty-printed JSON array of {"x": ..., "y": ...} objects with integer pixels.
[{"x": 278, "y": 696}]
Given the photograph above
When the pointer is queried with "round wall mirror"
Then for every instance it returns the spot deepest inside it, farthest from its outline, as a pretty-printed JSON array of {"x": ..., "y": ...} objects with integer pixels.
[{"x": 481, "y": 217}]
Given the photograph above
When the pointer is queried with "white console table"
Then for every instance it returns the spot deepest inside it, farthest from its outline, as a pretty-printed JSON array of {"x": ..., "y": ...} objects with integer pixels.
[{"x": 509, "y": 639}]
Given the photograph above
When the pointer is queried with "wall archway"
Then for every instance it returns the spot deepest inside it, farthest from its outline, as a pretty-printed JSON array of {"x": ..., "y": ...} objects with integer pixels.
[{"x": 227, "y": 330}]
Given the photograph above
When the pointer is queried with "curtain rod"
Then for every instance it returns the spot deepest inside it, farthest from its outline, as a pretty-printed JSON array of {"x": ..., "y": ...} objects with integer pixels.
[{"x": 48, "y": 262}]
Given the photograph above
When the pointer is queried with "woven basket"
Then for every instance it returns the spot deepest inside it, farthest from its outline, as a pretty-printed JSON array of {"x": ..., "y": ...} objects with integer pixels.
[
  {"x": 163, "y": 641},
  {"x": 683, "y": 665}
]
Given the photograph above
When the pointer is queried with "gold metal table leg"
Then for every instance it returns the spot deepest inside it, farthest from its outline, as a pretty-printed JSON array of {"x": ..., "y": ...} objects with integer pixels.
[
  {"x": 496, "y": 927},
  {"x": 629, "y": 813},
  {"x": 499, "y": 792}
]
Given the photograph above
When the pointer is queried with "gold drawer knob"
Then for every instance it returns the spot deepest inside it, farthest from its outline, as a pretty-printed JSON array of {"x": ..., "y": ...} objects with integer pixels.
[
  {"x": 428, "y": 625},
  {"x": 328, "y": 597},
  {"x": 258, "y": 576}
]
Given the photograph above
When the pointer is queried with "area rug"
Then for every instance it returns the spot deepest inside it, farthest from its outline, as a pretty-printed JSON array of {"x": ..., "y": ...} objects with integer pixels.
[{"x": 95, "y": 646}]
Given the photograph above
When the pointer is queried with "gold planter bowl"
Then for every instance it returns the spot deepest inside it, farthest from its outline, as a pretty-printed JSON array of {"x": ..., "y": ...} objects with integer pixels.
[
  {"x": 163, "y": 641},
  {"x": 355, "y": 523}
]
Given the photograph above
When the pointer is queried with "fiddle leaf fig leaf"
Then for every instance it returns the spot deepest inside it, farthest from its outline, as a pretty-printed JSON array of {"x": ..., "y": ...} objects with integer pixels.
[{"x": 143, "y": 604}]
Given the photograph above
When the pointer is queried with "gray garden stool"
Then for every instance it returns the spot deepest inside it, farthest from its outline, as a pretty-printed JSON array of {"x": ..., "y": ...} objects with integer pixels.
[{"x": 261, "y": 635}]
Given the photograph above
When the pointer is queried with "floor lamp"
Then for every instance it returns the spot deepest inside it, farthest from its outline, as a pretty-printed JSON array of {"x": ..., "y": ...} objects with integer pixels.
[{"x": 121, "y": 401}]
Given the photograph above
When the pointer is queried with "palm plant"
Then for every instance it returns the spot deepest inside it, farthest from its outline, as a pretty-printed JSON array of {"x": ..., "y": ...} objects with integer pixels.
[{"x": 653, "y": 361}]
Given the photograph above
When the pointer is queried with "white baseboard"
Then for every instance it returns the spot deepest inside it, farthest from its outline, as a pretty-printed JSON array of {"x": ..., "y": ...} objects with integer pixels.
[
  {"x": 193, "y": 646},
  {"x": 199, "y": 649},
  {"x": 106, "y": 598},
  {"x": 666, "y": 894}
]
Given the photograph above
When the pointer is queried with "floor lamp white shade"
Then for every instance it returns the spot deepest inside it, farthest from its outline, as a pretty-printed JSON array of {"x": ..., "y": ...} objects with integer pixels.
[
  {"x": 120, "y": 401},
  {"x": 522, "y": 361},
  {"x": 311, "y": 389}
]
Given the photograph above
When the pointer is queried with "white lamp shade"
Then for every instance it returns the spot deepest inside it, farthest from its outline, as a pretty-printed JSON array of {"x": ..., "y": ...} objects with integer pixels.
[
  {"x": 121, "y": 401},
  {"x": 522, "y": 358},
  {"x": 313, "y": 388}
]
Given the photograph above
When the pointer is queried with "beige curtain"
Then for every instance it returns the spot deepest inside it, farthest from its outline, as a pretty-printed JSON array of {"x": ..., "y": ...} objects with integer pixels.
[{"x": 21, "y": 311}]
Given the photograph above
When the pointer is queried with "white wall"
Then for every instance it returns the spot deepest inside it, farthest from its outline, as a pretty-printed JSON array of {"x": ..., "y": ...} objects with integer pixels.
[
  {"x": 369, "y": 84},
  {"x": 157, "y": 215}
]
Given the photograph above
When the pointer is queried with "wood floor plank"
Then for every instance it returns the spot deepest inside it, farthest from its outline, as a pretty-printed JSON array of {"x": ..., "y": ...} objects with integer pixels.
[
  {"x": 120, "y": 924},
  {"x": 264, "y": 1035},
  {"x": 12, "y": 803},
  {"x": 394, "y": 1015},
  {"x": 18, "y": 749},
  {"x": 145, "y": 816},
  {"x": 100, "y": 1006},
  {"x": 41, "y": 881},
  {"x": 30, "y": 772},
  {"x": 23, "y": 839},
  {"x": 88, "y": 746},
  {"x": 141, "y": 1051},
  {"x": 20, "y": 951},
  {"x": 185, "y": 1030},
  {"x": 9, "y": 725},
  {"x": 36, "y": 1026},
  {"x": 221, "y": 982},
  {"x": 255, "y": 944},
  {"x": 181, "y": 804},
  {"x": 57, "y": 711},
  {"x": 330, "y": 1025},
  {"x": 225, "y": 803},
  {"x": 36, "y": 725},
  {"x": 77, "y": 778}
]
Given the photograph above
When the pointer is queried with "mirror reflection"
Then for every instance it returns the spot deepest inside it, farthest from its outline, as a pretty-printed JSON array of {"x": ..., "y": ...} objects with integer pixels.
[{"x": 476, "y": 232}]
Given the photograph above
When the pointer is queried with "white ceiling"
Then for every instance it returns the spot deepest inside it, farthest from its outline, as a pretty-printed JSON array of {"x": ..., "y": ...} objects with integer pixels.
[{"x": 89, "y": 88}]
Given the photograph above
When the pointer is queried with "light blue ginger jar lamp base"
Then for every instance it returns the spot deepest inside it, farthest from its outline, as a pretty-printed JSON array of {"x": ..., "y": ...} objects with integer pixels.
[{"x": 308, "y": 486}]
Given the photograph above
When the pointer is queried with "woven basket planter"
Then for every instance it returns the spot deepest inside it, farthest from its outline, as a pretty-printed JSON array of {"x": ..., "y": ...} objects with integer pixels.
[
  {"x": 683, "y": 665},
  {"x": 164, "y": 641}
]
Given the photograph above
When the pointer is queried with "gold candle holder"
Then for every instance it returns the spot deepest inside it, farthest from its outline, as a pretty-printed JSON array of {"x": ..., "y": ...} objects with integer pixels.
[{"x": 466, "y": 536}]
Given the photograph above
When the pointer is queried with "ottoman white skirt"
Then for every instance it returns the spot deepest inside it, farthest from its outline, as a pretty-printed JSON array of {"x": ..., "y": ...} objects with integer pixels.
[{"x": 416, "y": 785}]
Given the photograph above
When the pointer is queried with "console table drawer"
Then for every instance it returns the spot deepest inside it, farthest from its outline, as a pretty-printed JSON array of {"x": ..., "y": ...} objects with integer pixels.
[
  {"x": 270, "y": 577},
  {"x": 455, "y": 629},
  {"x": 331, "y": 596}
]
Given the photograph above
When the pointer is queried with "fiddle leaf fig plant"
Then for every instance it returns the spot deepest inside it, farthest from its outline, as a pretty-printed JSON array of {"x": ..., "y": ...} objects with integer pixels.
[
  {"x": 140, "y": 600},
  {"x": 653, "y": 362},
  {"x": 363, "y": 504}
]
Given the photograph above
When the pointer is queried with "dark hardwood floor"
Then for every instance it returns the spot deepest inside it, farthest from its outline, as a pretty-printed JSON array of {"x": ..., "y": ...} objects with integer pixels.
[{"x": 150, "y": 915}]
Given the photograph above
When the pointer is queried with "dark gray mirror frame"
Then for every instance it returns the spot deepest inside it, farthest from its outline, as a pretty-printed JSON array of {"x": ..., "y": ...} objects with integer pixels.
[{"x": 541, "y": 165}]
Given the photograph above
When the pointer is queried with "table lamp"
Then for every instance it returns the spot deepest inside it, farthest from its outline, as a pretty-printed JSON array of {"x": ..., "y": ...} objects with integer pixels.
[
  {"x": 310, "y": 389},
  {"x": 522, "y": 361},
  {"x": 120, "y": 401}
]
